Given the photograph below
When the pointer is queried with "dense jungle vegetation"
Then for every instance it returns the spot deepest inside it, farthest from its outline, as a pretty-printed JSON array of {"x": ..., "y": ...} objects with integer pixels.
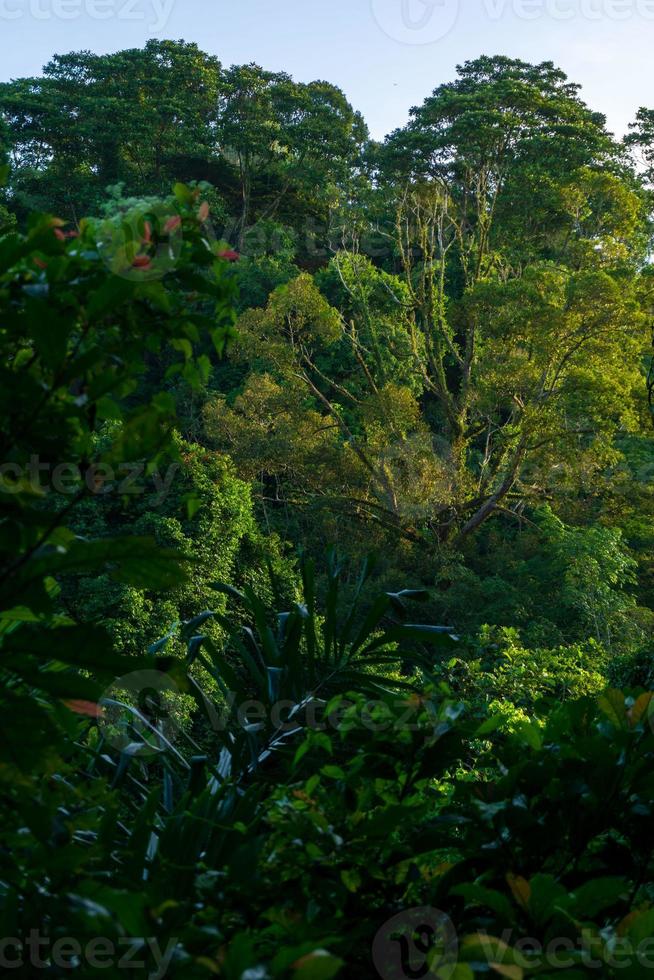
[{"x": 327, "y": 540}]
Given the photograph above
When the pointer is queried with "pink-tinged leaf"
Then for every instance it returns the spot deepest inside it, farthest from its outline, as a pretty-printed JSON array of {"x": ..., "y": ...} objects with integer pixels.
[
  {"x": 172, "y": 224},
  {"x": 87, "y": 708}
]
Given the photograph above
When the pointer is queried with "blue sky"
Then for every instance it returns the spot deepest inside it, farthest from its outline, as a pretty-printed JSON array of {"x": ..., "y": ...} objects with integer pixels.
[{"x": 387, "y": 55}]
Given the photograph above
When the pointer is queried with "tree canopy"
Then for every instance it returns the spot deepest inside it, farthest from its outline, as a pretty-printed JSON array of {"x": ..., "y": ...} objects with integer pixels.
[{"x": 326, "y": 526}]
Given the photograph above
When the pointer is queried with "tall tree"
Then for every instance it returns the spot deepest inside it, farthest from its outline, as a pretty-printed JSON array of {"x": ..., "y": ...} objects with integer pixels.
[
  {"x": 285, "y": 139},
  {"x": 521, "y": 347},
  {"x": 472, "y": 176},
  {"x": 641, "y": 140},
  {"x": 137, "y": 117}
]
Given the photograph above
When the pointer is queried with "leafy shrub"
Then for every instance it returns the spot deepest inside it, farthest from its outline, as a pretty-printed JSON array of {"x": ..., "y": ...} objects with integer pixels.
[
  {"x": 497, "y": 672},
  {"x": 76, "y": 335}
]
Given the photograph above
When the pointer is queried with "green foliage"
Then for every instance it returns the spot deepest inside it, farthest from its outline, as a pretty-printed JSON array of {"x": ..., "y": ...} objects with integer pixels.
[
  {"x": 284, "y": 139},
  {"x": 144, "y": 118},
  {"x": 373, "y": 304},
  {"x": 7, "y": 219},
  {"x": 557, "y": 583},
  {"x": 197, "y": 507},
  {"x": 440, "y": 351},
  {"x": 503, "y": 137},
  {"x": 96, "y": 120},
  {"x": 641, "y": 138},
  {"x": 74, "y": 339},
  {"x": 475, "y": 369},
  {"x": 593, "y": 573},
  {"x": 268, "y": 262},
  {"x": 379, "y": 811},
  {"x": 498, "y": 675}
]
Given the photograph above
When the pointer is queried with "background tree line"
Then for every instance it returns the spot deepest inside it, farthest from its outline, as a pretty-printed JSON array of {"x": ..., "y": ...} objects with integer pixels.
[
  {"x": 443, "y": 338},
  {"x": 437, "y": 349}
]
